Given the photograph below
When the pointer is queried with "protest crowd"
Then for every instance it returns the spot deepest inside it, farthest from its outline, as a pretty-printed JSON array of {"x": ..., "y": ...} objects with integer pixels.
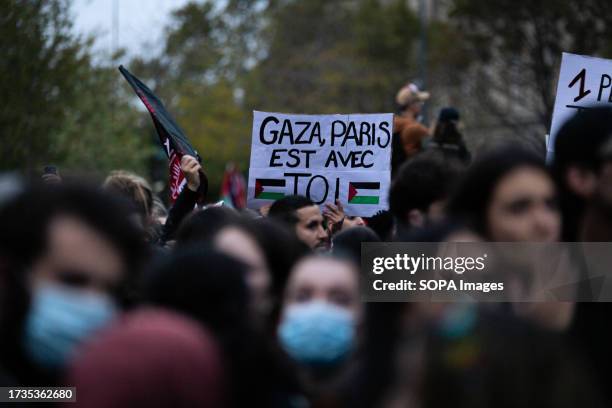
[{"x": 105, "y": 288}]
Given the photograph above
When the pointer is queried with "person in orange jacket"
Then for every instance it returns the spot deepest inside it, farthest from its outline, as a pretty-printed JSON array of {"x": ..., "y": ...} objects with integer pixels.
[{"x": 408, "y": 133}]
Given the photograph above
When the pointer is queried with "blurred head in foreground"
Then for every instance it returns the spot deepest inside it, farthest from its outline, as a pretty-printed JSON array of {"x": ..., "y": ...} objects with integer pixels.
[
  {"x": 321, "y": 312},
  {"x": 70, "y": 255},
  {"x": 508, "y": 195},
  {"x": 227, "y": 231},
  {"x": 577, "y": 165},
  {"x": 209, "y": 286},
  {"x": 152, "y": 358}
]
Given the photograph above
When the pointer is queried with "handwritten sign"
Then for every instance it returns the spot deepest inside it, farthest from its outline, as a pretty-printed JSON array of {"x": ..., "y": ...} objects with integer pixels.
[
  {"x": 323, "y": 157},
  {"x": 583, "y": 82}
]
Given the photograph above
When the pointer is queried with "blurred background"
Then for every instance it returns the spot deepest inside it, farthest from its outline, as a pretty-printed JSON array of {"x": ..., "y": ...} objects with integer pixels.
[{"x": 213, "y": 62}]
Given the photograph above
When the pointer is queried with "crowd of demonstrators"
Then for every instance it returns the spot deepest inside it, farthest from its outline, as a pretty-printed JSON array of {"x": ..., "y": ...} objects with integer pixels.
[{"x": 195, "y": 305}]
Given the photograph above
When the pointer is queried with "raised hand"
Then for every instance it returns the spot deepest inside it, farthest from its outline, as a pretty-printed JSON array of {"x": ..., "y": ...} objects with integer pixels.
[{"x": 190, "y": 168}]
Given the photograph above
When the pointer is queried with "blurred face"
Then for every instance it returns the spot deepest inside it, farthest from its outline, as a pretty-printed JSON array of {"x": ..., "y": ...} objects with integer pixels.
[
  {"x": 72, "y": 288},
  {"x": 523, "y": 208},
  {"x": 309, "y": 228},
  {"x": 321, "y": 313},
  {"x": 436, "y": 211},
  {"x": 237, "y": 243},
  {"x": 415, "y": 108},
  {"x": 327, "y": 280},
  {"x": 350, "y": 222},
  {"x": 79, "y": 257}
]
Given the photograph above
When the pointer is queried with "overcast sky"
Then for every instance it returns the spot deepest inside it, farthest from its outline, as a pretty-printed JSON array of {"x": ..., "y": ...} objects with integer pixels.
[{"x": 141, "y": 23}]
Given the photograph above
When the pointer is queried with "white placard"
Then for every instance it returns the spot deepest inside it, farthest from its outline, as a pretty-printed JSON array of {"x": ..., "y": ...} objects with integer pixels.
[
  {"x": 583, "y": 82},
  {"x": 323, "y": 157}
]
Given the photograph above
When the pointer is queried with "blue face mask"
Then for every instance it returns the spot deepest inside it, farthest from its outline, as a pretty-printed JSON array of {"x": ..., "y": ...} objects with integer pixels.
[
  {"x": 60, "y": 319},
  {"x": 317, "y": 333}
]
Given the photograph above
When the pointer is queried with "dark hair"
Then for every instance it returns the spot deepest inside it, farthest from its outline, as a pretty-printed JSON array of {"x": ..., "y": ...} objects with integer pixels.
[
  {"x": 447, "y": 132},
  {"x": 448, "y": 115},
  {"x": 210, "y": 287},
  {"x": 285, "y": 208},
  {"x": 382, "y": 224},
  {"x": 449, "y": 141},
  {"x": 202, "y": 226},
  {"x": 471, "y": 199},
  {"x": 579, "y": 140},
  {"x": 25, "y": 221},
  {"x": 349, "y": 241},
  {"x": 377, "y": 370},
  {"x": 578, "y": 143},
  {"x": 282, "y": 249},
  {"x": 422, "y": 180},
  {"x": 203, "y": 283},
  {"x": 26, "y": 218},
  {"x": 436, "y": 232}
]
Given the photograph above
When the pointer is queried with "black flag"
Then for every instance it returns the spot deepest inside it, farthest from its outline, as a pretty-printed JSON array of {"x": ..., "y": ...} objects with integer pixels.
[{"x": 172, "y": 138}]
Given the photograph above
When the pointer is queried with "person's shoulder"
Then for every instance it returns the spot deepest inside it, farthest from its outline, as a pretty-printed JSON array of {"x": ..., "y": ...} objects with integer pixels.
[
  {"x": 413, "y": 131},
  {"x": 401, "y": 122}
]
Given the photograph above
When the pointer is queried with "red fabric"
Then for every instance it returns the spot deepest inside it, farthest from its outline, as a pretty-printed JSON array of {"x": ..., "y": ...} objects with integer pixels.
[
  {"x": 176, "y": 177},
  {"x": 352, "y": 192},
  {"x": 233, "y": 188},
  {"x": 151, "y": 358}
]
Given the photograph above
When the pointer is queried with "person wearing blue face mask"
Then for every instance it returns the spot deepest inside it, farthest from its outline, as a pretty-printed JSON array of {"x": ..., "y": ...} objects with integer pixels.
[
  {"x": 320, "y": 323},
  {"x": 60, "y": 319},
  {"x": 70, "y": 251}
]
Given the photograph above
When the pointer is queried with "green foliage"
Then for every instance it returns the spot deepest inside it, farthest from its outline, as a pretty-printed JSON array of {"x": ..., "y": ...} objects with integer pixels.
[
  {"x": 318, "y": 56},
  {"x": 217, "y": 126},
  {"x": 196, "y": 81},
  {"x": 497, "y": 61},
  {"x": 56, "y": 106},
  {"x": 39, "y": 67},
  {"x": 103, "y": 132},
  {"x": 337, "y": 56},
  {"x": 192, "y": 44}
]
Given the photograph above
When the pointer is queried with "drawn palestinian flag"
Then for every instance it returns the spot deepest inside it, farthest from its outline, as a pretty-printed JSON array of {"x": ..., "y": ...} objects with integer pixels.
[
  {"x": 263, "y": 187},
  {"x": 363, "y": 192}
]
